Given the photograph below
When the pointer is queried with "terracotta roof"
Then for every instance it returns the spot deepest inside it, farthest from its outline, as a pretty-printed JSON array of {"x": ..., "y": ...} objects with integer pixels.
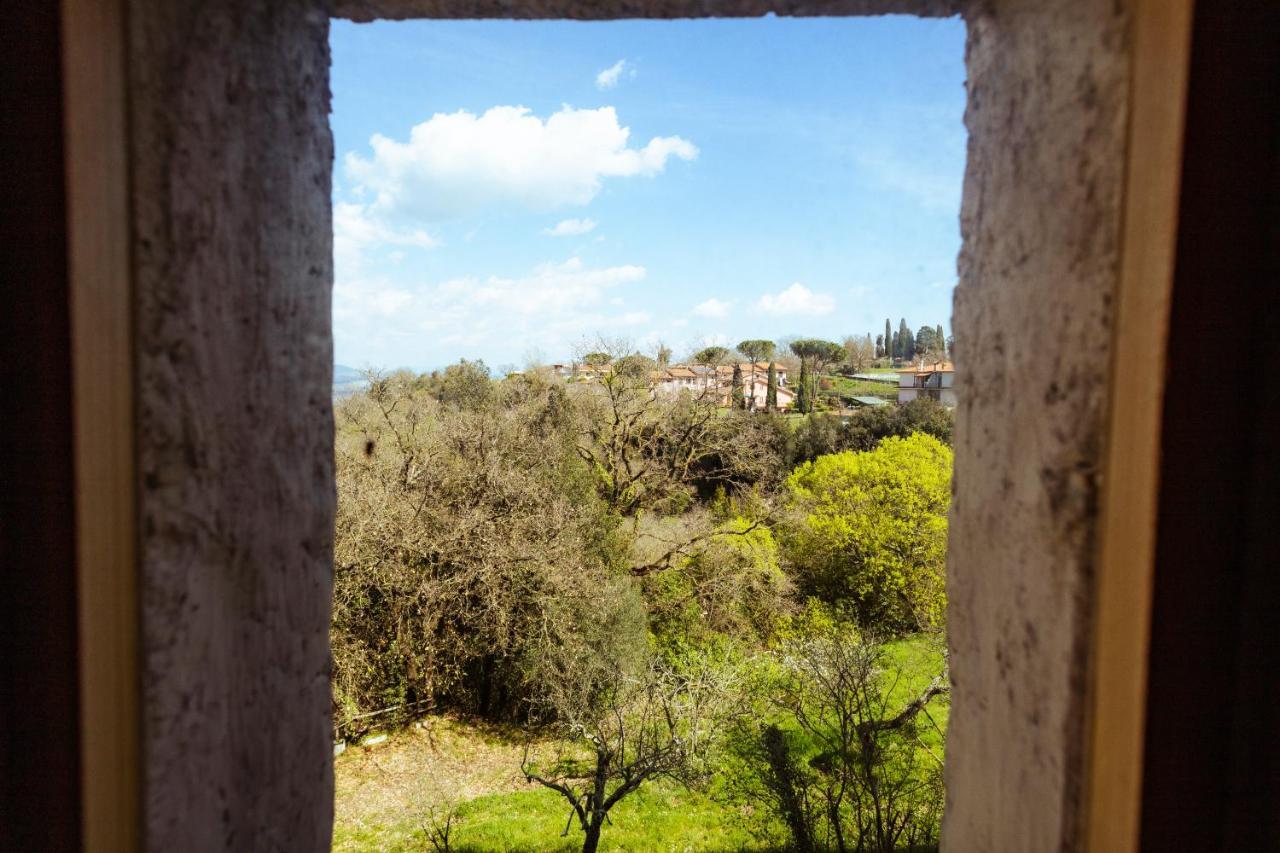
[{"x": 930, "y": 367}]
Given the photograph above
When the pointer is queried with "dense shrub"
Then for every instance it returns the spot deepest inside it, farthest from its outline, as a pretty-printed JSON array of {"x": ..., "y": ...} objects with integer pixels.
[
  {"x": 869, "y": 530},
  {"x": 824, "y": 433},
  {"x": 465, "y": 538}
]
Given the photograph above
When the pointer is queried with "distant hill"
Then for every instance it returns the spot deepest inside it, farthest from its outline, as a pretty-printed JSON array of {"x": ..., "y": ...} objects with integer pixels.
[
  {"x": 347, "y": 380},
  {"x": 343, "y": 374}
]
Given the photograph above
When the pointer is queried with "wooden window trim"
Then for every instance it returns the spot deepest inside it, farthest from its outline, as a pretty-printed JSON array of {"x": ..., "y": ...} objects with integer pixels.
[
  {"x": 1130, "y": 501},
  {"x": 95, "y": 134}
]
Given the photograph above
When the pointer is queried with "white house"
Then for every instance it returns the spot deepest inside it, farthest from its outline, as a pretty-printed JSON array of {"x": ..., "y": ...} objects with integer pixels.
[
  {"x": 928, "y": 380},
  {"x": 718, "y": 380}
]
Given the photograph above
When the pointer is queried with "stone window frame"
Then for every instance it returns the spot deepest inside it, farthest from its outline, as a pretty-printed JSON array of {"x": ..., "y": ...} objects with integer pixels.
[{"x": 201, "y": 264}]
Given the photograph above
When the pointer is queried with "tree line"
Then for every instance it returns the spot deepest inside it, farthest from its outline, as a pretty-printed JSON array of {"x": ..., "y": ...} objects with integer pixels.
[{"x": 927, "y": 342}]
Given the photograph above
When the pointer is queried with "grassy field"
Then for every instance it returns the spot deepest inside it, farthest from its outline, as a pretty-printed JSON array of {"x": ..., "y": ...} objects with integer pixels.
[
  {"x": 384, "y": 794},
  {"x": 847, "y": 387}
]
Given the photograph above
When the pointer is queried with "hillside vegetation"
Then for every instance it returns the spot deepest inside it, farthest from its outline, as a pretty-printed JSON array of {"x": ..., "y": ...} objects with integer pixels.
[{"x": 668, "y": 625}]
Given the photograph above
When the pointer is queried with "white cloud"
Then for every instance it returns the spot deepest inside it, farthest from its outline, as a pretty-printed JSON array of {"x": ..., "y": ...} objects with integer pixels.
[
  {"x": 553, "y": 303},
  {"x": 457, "y": 163},
  {"x": 925, "y": 182},
  {"x": 608, "y": 78},
  {"x": 713, "y": 308},
  {"x": 797, "y": 300},
  {"x": 549, "y": 290},
  {"x": 570, "y": 227},
  {"x": 355, "y": 230}
]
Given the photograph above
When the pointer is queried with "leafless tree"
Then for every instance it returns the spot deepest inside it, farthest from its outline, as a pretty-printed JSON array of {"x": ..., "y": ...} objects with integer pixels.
[
  {"x": 619, "y": 730},
  {"x": 651, "y": 449},
  {"x": 438, "y": 818},
  {"x": 872, "y": 786},
  {"x": 859, "y": 352}
]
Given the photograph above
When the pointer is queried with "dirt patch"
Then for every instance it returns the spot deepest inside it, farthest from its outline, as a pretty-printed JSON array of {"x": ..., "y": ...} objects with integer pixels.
[{"x": 436, "y": 758}]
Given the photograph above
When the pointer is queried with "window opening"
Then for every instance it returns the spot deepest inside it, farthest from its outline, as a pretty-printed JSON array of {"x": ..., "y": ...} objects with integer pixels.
[{"x": 643, "y": 467}]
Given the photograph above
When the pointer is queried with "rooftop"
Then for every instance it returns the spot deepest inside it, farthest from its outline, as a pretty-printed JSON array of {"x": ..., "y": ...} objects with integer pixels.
[{"x": 929, "y": 367}]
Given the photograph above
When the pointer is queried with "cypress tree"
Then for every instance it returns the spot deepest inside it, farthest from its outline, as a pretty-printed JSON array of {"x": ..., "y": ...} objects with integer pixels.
[
  {"x": 771, "y": 396},
  {"x": 802, "y": 393},
  {"x": 908, "y": 341},
  {"x": 889, "y": 348},
  {"x": 738, "y": 400},
  {"x": 939, "y": 341},
  {"x": 879, "y": 346}
]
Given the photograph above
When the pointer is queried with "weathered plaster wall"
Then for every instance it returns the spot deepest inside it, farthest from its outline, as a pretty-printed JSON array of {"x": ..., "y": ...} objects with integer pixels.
[
  {"x": 231, "y": 158},
  {"x": 1033, "y": 318}
]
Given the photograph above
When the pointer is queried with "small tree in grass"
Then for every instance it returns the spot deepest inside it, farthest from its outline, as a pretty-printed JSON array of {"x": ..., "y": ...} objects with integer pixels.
[
  {"x": 617, "y": 731},
  {"x": 854, "y": 761}
]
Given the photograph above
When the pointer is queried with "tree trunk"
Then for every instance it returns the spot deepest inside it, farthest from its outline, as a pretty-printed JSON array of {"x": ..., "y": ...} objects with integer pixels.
[
  {"x": 592, "y": 839},
  {"x": 785, "y": 788}
]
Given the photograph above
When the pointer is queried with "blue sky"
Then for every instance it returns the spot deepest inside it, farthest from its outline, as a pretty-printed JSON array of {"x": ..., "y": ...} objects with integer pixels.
[{"x": 506, "y": 190}]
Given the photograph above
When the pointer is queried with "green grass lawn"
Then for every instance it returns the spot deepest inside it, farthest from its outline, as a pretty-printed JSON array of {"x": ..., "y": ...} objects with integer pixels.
[
  {"x": 659, "y": 818},
  {"x": 383, "y": 790},
  {"x": 847, "y": 387},
  {"x": 920, "y": 659}
]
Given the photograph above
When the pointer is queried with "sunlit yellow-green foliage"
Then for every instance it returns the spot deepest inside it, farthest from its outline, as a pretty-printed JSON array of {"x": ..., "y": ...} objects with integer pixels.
[
  {"x": 732, "y": 584},
  {"x": 869, "y": 530}
]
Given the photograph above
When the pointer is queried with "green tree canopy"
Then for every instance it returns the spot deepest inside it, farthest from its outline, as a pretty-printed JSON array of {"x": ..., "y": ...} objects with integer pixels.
[
  {"x": 711, "y": 355},
  {"x": 815, "y": 354},
  {"x": 466, "y": 385},
  {"x": 635, "y": 365},
  {"x": 925, "y": 343},
  {"x": 870, "y": 531},
  {"x": 757, "y": 350}
]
